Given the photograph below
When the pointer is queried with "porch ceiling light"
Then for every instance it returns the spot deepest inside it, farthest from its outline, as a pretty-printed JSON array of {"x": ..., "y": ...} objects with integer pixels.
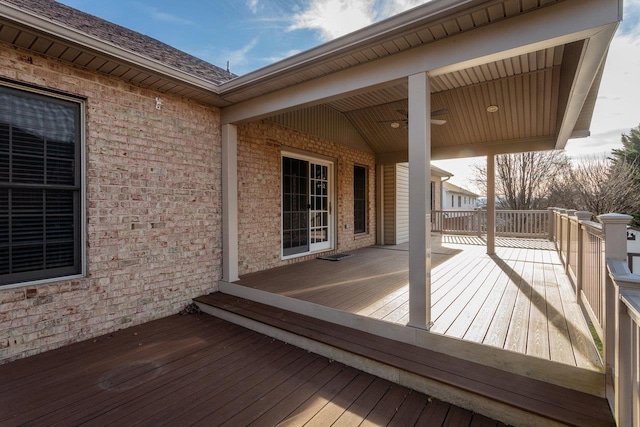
[
  {"x": 492, "y": 108},
  {"x": 395, "y": 125}
]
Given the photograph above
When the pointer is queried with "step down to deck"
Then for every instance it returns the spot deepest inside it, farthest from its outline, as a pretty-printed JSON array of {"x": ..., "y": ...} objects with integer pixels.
[{"x": 464, "y": 383}]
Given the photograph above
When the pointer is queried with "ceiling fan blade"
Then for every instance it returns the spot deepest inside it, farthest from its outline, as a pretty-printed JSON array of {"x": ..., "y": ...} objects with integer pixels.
[
  {"x": 439, "y": 112},
  {"x": 438, "y": 121},
  {"x": 391, "y": 121}
]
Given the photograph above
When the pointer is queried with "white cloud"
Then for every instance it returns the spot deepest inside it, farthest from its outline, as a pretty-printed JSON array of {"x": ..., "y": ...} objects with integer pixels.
[
  {"x": 285, "y": 55},
  {"x": 334, "y": 18},
  {"x": 393, "y": 7},
  {"x": 253, "y": 5},
  {"x": 161, "y": 16},
  {"x": 238, "y": 58},
  {"x": 631, "y": 21}
]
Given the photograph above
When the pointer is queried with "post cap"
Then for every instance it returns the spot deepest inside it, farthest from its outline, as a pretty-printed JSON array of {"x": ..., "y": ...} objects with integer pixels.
[
  {"x": 615, "y": 218},
  {"x": 584, "y": 215}
]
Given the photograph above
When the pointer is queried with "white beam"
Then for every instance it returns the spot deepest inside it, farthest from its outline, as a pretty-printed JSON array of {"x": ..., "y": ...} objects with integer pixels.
[
  {"x": 474, "y": 150},
  {"x": 491, "y": 205},
  {"x": 229, "y": 203},
  {"x": 419, "y": 208},
  {"x": 540, "y": 29}
]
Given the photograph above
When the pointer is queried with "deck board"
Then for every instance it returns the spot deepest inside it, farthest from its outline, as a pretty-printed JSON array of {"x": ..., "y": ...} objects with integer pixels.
[
  {"x": 227, "y": 376},
  {"x": 519, "y": 299},
  {"x": 532, "y": 395}
]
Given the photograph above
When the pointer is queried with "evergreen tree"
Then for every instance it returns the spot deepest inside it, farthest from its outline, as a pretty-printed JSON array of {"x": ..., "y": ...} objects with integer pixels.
[
  {"x": 630, "y": 151},
  {"x": 629, "y": 155}
]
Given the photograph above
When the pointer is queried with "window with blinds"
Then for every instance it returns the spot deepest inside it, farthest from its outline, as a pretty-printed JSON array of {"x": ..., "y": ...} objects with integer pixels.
[
  {"x": 359, "y": 199},
  {"x": 39, "y": 187}
]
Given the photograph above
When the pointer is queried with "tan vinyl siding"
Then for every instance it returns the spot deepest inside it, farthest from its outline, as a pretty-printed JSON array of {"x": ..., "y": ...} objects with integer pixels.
[
  {"x": 389, "y": 204},
  {"x": 402, "y": 203}
]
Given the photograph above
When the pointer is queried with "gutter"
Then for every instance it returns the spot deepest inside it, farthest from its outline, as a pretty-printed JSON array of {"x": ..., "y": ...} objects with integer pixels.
[{"x": 30, "y": 20}]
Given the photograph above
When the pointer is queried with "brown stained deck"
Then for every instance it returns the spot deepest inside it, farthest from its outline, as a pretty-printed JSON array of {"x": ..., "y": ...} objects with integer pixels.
[
  {"x": 520, "y": 299},
  {"x": 200, "y": 370}
]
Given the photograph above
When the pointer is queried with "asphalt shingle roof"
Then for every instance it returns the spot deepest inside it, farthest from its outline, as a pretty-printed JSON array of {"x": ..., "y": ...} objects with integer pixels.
[{"x": 125, "y": 38}]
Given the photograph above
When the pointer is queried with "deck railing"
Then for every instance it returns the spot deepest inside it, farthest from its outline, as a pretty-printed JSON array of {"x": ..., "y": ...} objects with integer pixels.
[
  {"x": 457, "y": 222},
  {"x": 509, "y": 223},
  {"x": 595, "y": 257}
]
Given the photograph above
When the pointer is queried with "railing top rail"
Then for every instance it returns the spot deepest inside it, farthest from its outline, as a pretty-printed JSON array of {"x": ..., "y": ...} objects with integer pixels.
[
  {"x": 539, "y": 211},
  {"x": 631, "y": 298},
  {"x": 594, "y": 228}
]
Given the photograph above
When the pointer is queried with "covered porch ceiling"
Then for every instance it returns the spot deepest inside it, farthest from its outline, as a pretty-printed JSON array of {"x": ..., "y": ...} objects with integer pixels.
[
  {"x": 529, "y": 90},
  {"x": 538, "y": 61}
]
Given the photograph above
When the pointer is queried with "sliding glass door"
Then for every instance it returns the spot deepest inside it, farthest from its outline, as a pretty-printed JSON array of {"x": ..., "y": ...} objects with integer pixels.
[{"x": 307, "y": 223}]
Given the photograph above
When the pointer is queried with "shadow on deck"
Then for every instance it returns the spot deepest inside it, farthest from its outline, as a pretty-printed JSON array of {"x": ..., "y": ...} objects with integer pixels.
[{"x": 518, "y": 300}]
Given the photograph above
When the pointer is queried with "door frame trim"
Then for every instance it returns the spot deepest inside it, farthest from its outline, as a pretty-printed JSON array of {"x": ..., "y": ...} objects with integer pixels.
[{"x": 333, "y": 199}]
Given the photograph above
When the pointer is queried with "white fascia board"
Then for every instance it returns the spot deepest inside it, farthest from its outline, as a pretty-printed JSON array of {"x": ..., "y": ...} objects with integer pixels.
[
  {"x": 547, "y": 27},
  {"x": 110, "y": 50},
  {"x": 593, "y": 55}
]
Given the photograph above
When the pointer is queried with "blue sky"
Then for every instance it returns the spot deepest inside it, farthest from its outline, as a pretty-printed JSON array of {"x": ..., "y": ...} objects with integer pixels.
[{"x": 251, "y": 34}]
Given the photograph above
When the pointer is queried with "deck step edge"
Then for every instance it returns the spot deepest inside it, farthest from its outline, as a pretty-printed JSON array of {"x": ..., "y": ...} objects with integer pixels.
[{"x": 518, "y": 410}]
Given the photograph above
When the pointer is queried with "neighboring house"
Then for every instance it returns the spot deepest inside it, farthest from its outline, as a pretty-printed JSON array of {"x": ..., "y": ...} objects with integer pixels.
[
  {"x": 134, "y": 177},
  {"x": 393, "y": 205},
  {"x": 458, "y": 198}
]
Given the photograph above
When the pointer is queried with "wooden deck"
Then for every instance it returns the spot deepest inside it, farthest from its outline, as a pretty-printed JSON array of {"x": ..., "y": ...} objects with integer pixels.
[
  {"x": 520, "y": 299},
  {"x": 200, "y": 370},
  {"x": 512, "y": 398}
]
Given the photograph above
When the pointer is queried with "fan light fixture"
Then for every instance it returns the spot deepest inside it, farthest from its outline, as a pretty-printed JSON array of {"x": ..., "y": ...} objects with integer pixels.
[
  {"x": 395, "y": 125},
  {"x": 492, "y": 108}
]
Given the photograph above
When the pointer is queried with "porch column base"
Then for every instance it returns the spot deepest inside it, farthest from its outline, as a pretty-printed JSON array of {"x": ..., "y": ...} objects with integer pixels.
[{"x": 422, "y": 326}]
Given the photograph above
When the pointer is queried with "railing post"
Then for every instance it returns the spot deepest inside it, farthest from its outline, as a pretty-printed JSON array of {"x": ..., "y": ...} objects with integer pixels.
[
  {"x": 570, "y": 213},
  {"x": 551, "y": 222},
  {"x": 582, "y": 216},
  {"x": 623, "y": 380},
  {"x": 560, "y": 239},
  {"x": 614, "y": 227}
]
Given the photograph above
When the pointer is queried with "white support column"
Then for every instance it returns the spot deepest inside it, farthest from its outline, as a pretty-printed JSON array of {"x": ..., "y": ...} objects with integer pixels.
[
  {"x": 491, "y": 204},
  {"x": 229, "y": 203},
  {"x": 419, "y": 208}
]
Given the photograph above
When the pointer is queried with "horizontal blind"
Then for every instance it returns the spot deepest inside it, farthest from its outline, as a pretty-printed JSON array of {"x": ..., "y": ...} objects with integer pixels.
[{"x": 39, "y": 186}]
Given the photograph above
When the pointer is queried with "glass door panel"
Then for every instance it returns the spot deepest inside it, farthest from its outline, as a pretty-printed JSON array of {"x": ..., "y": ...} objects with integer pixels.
[
  {"x": 306, "y": 206},
  {"x": 320, "y": 206},
  {"x": 295, "y": 210}
]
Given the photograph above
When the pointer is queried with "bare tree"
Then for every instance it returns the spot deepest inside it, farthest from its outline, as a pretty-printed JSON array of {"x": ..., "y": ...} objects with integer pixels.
[
  {"x": 525, "y": 181},
  {"x": 602, "y": 186}
]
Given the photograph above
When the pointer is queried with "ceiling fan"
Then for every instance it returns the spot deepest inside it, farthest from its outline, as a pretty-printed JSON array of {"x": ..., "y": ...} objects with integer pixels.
[{"x": 404, "y": 122}]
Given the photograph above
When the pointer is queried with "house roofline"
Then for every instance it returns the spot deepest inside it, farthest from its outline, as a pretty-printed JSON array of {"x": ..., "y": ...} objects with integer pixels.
[
  {"x": 395, "y": 25},
  {"x": 82, "y": 40}
]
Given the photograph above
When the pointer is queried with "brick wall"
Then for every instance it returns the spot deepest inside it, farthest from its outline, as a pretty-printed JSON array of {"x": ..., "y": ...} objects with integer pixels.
[
  {"x": 153, "y": 207},
  {"x": 259, "y": 200}
]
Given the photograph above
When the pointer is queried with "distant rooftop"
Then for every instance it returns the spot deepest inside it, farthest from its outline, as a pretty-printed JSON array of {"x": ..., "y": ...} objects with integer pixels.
[{"x": 456, "y": 189}]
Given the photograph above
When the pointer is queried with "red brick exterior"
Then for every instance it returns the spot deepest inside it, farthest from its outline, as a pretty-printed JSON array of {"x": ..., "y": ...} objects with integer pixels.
[
  {"x": 153, "y": 205},
  {"x": 153, "y": 211},
  {"x": 260, "y": 145}
]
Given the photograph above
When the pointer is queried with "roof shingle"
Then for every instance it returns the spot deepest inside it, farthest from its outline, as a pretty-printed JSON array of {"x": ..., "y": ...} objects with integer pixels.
[{"x": 124, "y": 38}]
